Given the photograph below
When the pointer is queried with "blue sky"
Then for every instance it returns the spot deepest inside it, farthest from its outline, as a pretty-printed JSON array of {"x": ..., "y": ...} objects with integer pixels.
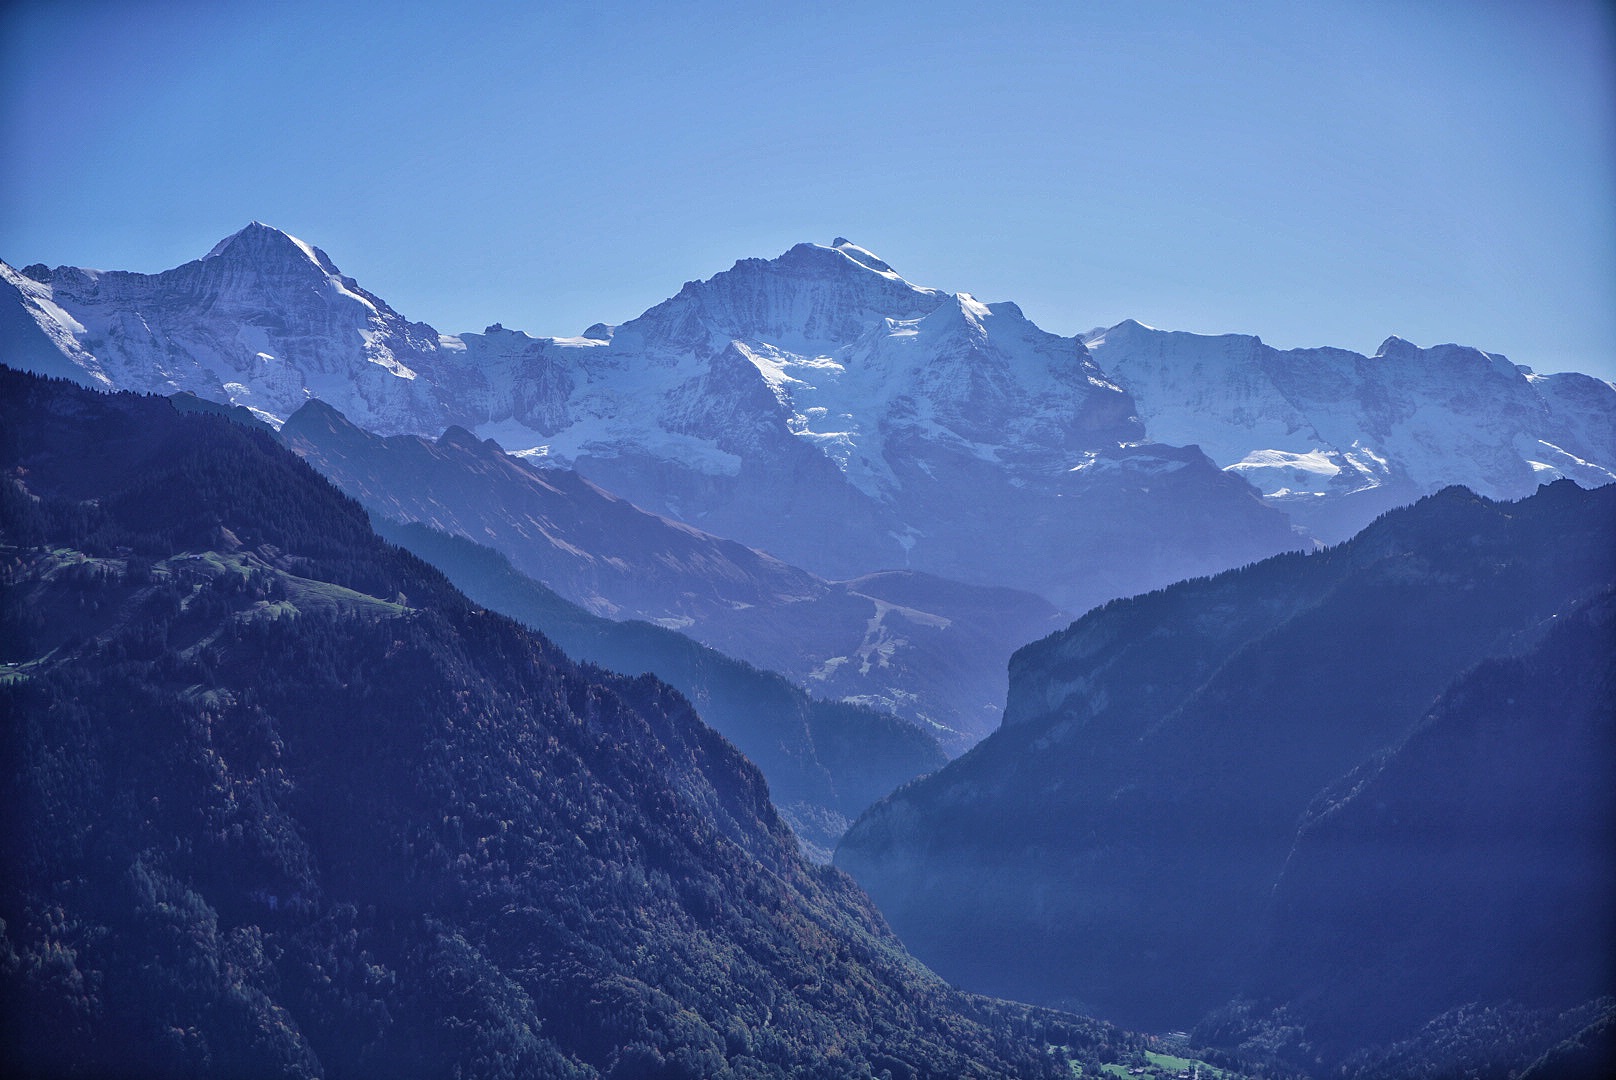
[{"x": 1317, "y": 173}]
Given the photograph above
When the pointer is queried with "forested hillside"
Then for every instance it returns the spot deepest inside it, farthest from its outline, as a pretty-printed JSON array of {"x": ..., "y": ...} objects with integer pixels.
[
  {"x": 278, "y": 801},
  {"x": 826, "y": 761},
  {"x": 1129, "y": 842}
]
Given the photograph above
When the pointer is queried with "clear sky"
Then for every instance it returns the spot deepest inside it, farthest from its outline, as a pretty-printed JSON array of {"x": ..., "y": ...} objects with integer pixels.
[{"x": 1317, "y": 173}]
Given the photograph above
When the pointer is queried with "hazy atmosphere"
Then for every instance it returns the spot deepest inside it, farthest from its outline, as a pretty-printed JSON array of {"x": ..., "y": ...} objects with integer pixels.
[
  {"x": 1325, "y": 173},
  {"x": 728, "y": 541}
]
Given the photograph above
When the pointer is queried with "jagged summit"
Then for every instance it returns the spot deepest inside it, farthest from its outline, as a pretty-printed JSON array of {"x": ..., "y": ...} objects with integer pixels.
[
  {"x": 1399, "y": 348},
  {"x": 498, "y": 329},
  {"x": 1456, "y": 357},
  {"x": 1336, "y": 437},
  {"x": 257, "y": 241},
  {"x": 810, "y": 298},
  {"x": 1126, "y": 330},
  {"x": 842, "y": 254},
  {"x": 246, "y": 234},
  {"x": 960, "y": 311},
  {"x": 863, "y": 256}
]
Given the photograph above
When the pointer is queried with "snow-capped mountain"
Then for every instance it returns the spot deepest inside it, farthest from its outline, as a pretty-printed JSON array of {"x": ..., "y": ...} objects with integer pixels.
[
  {"x": 816, "y": 405},
  {"x": 263, "y": 320},
  {"x": 1335, "y": 438},
  {"x": 821, "y": 407}
]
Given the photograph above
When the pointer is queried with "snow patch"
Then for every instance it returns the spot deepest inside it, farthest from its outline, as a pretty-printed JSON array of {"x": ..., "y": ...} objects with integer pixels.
[
  {"x": 864, "y": 258},
  {"x": 336, "y": 283}
]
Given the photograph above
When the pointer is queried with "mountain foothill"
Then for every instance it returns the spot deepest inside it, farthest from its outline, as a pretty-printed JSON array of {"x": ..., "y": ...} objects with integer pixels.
[{"x": 280, "y": 801}]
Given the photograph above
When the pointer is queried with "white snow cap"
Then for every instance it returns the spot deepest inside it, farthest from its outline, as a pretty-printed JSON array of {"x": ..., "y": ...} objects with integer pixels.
[{"x": 862, "y": 256}]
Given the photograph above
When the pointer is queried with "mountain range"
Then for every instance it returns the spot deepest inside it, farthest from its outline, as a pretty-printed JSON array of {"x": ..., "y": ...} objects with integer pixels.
[
  {"x": 280, "y": 799},
  {"x": 820, "y": 407},
  {"x": 784, "y": 437},
  {"x": 816, "y": 406},
  {"x": 1335, "y": 438}
]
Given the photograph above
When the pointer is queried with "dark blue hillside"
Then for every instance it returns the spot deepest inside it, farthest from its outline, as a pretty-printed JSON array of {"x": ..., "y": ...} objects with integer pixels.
[
  {"x": 1116, "y": 845},
  {"x": 275, "y": 800}
]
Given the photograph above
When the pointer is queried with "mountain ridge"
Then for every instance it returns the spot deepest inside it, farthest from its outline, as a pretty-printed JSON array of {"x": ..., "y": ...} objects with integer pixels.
[
  {"x": 1143, "y": 792},
  {"x": 935, "y": 660},
  {"x": 817, "y": 406},
  {"x": 1335, "y": 437}
]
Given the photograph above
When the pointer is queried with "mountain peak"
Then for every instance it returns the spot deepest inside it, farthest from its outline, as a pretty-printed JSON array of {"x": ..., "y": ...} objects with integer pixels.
[
  {"x": 842, "y": 254},
  {"x": 863, "y": 256},
  {"x": 459, "y": 438},
  {"x": 1455, "y": 357},
  {"x": 258, "y": 241},
  {"x": 1396, "y": 346},
  {"x": 961, "y": 311},
  {"x": 1126, "y": 330},
  {"x": 317, "y": 409}
]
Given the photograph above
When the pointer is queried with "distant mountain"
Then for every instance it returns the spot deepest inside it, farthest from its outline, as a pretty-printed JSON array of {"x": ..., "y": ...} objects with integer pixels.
[
  {"x": 1117, "y": 844},
  {"x": 598, "y": 550},
  {"x": 825, "y": 761},
  {"x": 263, "y": 320},
  {"x": 278, "y": 801},
  {"x": 816, "y": 406},
  {"x": 821, "y": 407},
  {"x": 928, "y": 650},
  {"x": 1335, "y": 438}
]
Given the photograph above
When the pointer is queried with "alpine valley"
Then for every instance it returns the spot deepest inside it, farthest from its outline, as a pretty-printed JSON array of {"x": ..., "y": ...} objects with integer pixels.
[{"x": 1277, "y": 686}]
